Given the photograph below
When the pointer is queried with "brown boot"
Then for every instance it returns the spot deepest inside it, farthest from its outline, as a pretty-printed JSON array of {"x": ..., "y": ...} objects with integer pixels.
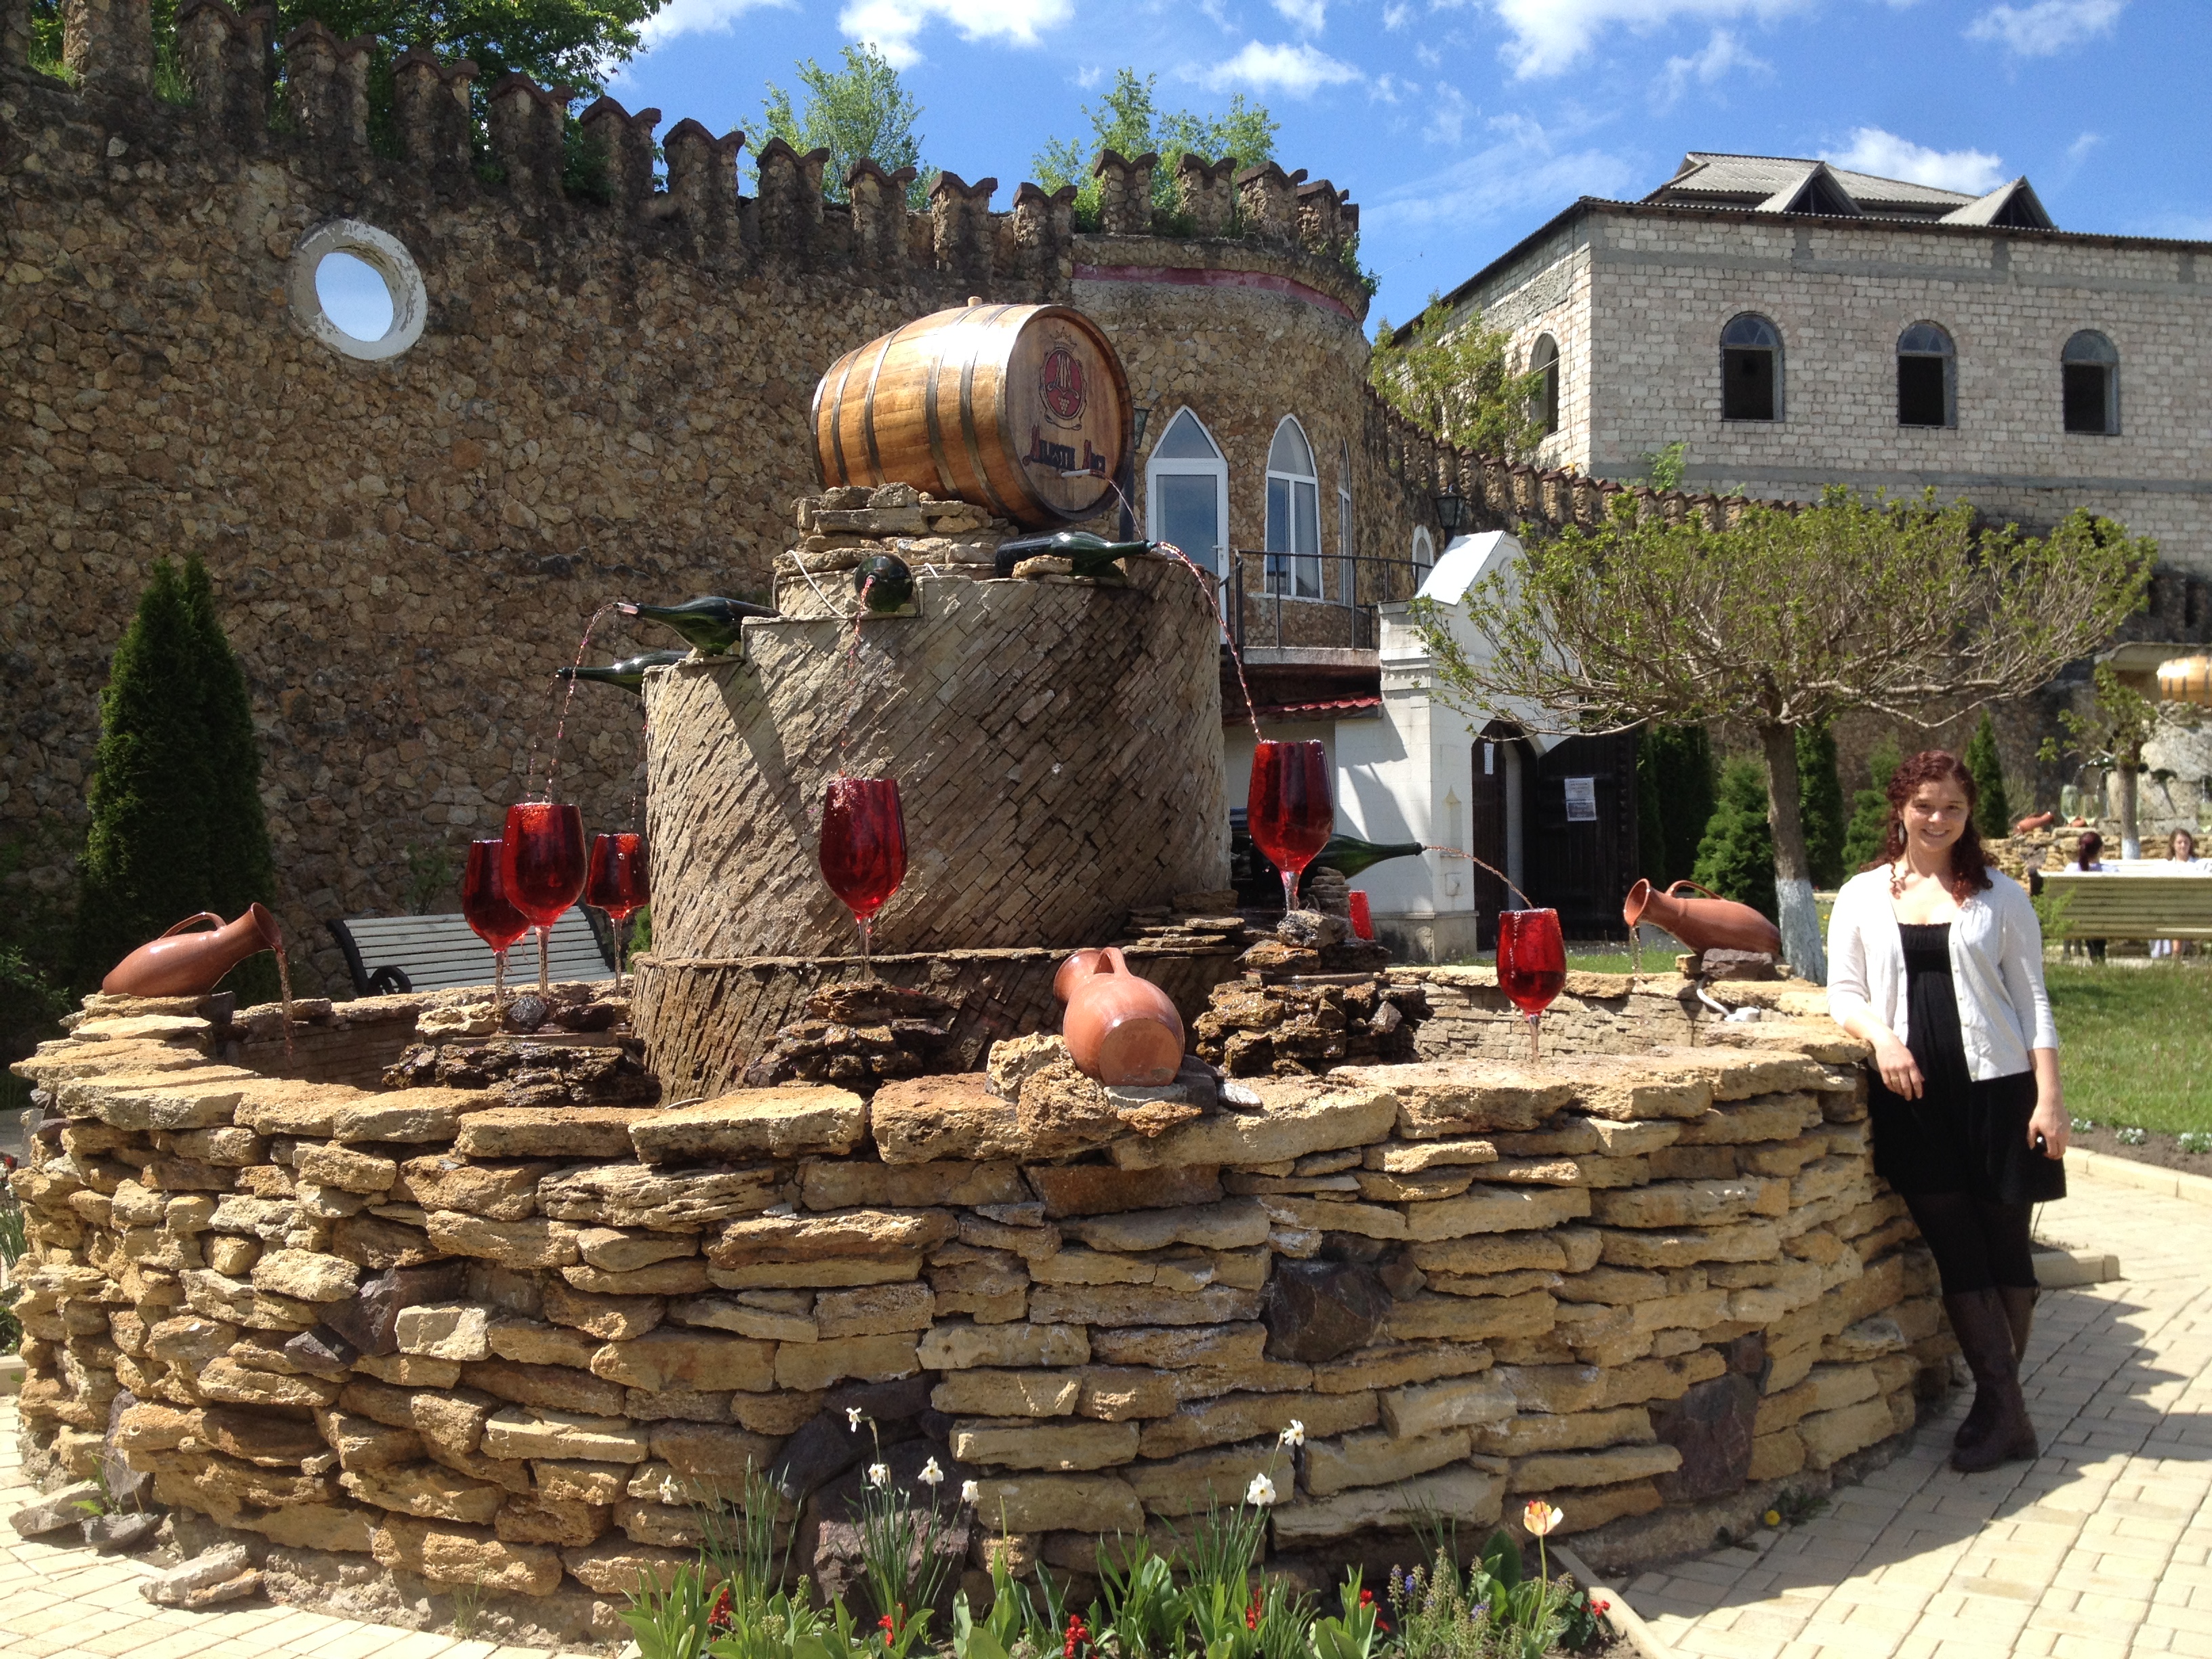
[{"x": 1985, "y": 1336}]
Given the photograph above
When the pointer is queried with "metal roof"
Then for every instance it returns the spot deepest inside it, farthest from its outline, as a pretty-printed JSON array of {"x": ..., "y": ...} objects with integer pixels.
[{"x": 1748, "y": 180}]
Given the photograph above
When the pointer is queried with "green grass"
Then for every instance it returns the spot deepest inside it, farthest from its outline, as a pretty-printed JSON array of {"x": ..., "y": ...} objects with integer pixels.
[{"x": 2135, "y": 1044}]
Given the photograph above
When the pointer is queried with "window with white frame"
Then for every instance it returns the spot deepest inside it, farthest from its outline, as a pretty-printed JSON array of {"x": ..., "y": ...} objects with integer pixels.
[
  {"x": 1346, "y": 536},
  {"x": 1186, "y": 493},
  {"x": 1293, "y": 514},
  {"x": 1424, "y": 556}
]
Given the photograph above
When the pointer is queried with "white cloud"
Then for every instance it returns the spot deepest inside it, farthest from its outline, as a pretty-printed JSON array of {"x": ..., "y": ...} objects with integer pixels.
[
  {"x": 1395, "y": 14},
  {"x": 1722, "y": 54},
  {"x": 1297, "y": 72},
  {"x": 1519, "y": 174},
  {"x": 1448, "y": 115},
  {"x": 1389, "y": 88},
  {"x": 698, "y": 17},
  {"x": 2078, "y": 151},
  {"x": 1549, "y": 35},
  {"x": 1308, "y": 14},
  {"x": 1888, "y": 156},
  {"x": 2047, "y": 27},
  {"x": 891, "y": 26}
]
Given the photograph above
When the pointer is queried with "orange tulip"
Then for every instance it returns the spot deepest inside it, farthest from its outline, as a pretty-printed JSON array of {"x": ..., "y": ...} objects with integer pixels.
[{"x": 1540, "y": 1517}]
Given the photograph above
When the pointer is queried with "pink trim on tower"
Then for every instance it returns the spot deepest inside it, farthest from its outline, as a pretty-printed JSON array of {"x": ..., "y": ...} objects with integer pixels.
[{"x": 1195, "y": 276}]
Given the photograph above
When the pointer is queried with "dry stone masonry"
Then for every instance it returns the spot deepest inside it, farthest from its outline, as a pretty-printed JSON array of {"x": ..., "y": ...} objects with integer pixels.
[{"x": 499, "y": 1329}]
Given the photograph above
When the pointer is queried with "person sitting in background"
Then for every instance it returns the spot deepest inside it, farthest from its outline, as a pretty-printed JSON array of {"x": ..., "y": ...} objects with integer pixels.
[
  {"x": 2181, "y": 857},
  {"x": 2088, "y": 860}
]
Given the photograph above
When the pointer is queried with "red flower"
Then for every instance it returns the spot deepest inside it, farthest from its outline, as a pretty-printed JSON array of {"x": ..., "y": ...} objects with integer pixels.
[
  {"x": 1367, "y": 1598},
  {"x": 1252, "y": 1614},
  {"x": 723, "y": 1616},
  {"x": 884, "y": 1625},
  {"x": 1079, "y": 1633}
]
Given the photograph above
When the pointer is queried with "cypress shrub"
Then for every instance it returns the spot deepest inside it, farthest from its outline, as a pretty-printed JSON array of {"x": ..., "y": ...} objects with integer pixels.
[
  {"x": 1820, "y": 804},
  {"x": 177, "y": 824},
  {"x": 1870, "y": 808},
  {"x": 1735, "y": 858},
  {"x": 1674, "y": 783},
  {"x": 1992, "y": 812}
]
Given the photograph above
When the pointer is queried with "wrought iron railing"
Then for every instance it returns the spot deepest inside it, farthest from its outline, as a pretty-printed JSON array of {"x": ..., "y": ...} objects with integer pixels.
[{"x": 1262, "y": 605}]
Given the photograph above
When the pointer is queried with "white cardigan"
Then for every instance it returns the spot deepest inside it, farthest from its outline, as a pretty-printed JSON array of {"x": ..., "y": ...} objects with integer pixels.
[{"x": 1996, "y": 971}]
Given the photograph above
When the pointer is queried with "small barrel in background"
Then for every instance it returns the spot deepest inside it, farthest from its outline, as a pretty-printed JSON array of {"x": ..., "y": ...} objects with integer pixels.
[{"x": 1022, "y": 410}]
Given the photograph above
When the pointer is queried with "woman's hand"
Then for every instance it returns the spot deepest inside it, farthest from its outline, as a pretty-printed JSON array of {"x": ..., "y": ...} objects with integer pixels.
[
  {"x": 1899, "y": 1071},
  {"x": 2049, "y": 1119}
]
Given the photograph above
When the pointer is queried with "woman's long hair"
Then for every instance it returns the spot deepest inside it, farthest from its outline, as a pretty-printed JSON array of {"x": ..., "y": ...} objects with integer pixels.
[{"x": 1969, "y": 865}]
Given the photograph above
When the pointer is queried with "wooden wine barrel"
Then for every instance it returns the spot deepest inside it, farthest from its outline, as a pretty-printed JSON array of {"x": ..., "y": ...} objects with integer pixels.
[
  {"x": 1021, "y": 410},
  {"x": 2187, "y": 679}
]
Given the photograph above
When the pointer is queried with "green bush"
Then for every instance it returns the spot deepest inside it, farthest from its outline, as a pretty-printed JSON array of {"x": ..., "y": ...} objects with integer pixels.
[
  {"x": 1736, "y": 857},
  {"x": 177, "y": 822},
  {"x": 1870, "y": 808},
  {"x": 1992, "y": 812},
  {"x": 1821, "y": 804}
]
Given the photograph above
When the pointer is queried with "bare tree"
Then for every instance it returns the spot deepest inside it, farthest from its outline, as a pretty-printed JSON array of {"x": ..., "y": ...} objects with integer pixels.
[{"x": 1788, "y": 618}]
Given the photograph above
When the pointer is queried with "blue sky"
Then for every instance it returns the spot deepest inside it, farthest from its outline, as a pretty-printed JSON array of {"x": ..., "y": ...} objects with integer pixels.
[{"x": 1459, "y": 125}]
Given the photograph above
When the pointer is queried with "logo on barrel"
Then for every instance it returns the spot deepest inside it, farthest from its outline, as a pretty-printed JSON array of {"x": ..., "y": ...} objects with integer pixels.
[{"x": 1061, "y": 388}]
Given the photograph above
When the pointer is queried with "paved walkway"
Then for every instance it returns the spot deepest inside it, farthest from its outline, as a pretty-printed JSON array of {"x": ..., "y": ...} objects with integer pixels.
[
  {"x": 2104, "y": 1547},
  {"x": 2101, "y": 1548}
]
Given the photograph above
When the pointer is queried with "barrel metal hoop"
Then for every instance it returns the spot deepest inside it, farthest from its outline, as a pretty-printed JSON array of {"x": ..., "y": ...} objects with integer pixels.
[
  {"x": 968, "y": 433},
  {"x": 868, "y": 406},
  {"x": 936, "y": 428},
  {"x": 837, "y": 419}
]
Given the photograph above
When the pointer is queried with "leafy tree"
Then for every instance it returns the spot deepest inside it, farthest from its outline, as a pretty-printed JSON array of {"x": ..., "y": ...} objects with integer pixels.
[
  {"x": 862, "y": 111},
  {"x": 1862, "y": 840},
  {"x": 1992, "y": 812},
  {"x": 1735, "y": 858},
  {"x": 1454, "y": 382},
  {"x": 1675, "y": 764},
  {"x": 177, "y": 824},
  {"x": 1820, "y": 804},
  {"x": 2111, "y": 738},
  {"x": 1786, "y": 619},
  {"x": 1126, "y": 117}
]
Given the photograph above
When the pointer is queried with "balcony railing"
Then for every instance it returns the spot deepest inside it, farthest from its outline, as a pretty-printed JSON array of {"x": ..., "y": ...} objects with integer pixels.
[{"x": 1262, "y": 605}]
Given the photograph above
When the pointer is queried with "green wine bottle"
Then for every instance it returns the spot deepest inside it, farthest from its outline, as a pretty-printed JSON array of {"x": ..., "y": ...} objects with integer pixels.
[
  {"x": 710, "y": 624},
  {"x": 1350, "y": 855},
  {"x": 629, "y": 673},
  {"x": 1091, "y": 556},
  {"x": 884, "y": 582}
]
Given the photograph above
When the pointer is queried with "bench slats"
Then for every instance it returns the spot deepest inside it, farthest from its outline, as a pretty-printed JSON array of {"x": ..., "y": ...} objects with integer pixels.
[
  {"x": 2134, "y": 905},
  {"x": 438, "y": 953}
]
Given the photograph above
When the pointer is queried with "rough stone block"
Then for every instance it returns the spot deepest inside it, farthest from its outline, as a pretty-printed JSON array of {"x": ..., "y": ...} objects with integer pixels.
[
  {"x": 1830, "y": 1436},
  {"x": 1119, "y": 1394},
  {"x": 1470, "y": 1498},
  {"x": 730, "y": 1313},
  {"x": 1063, "y": 1444},
  {"x": 446, "y": 1553},
  {"x": 1317, "y": 1311},
  {"x": 866, "y": 1359},
  {"x": 1462, "y": 1402},
  {"x": 614, "y": 1318},
  {"x": 1086, "y": 1189},
  {"x": 426, "y": 1490},
  {"x": 447, "y": 1330},
  {"x": 566, "y": 1132},
  {"x": 841, "y": 1184},
  {"x": 1140, "y": 1304},
  {"x": 873, "y": 1310},
  {"x": 985, "y": 1393},
  {"x": 615, "y": 1566},
  {"x": 672, "y": 1358},
  {"x": 1495, "y": 1211},
  {"x": 536, "y": 1243},
  {"x": 879, "y": 1234},
  {"x": 1685, "y": 1246},
  {"x": 1296, "y": 1116},
  {"x": 305, "y": 1276},
  {"x": 517, "y": 1431},
  {"x": 796, "y": 1119},
  {"x": 1177, "y": 1487},
  {"x": 1469, "y": 1318},
  {"x": 1091, "y": 1503},
  {"x": 957, "y": 1345},
  {"x": 555, "y": 1385},
  {"x": 630, "y": 1194}
]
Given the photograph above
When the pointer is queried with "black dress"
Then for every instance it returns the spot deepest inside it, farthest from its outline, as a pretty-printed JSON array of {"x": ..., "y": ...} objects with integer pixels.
[{"x": 1961, "y": 1135}]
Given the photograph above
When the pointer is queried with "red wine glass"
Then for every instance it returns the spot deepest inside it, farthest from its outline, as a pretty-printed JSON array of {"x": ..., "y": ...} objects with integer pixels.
[
  {"x": 617, "y": 884},
  {"x": 1288, "y": 810},
  {"x": 863, "y": 848},
  {"x": 542, "y": 863},
  {"x": 483, "y": 904},
  {"x": 1363, "y": 917},
  {"x": 1532, "y": 965}
]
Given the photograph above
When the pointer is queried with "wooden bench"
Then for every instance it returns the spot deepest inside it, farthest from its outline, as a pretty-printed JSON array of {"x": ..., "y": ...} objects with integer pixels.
[
  {"x": 386, "y": 954},
  {"x": 2132, "y": 907}
]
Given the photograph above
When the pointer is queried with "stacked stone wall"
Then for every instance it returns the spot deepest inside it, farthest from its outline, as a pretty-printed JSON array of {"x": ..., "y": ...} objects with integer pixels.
[{"x": 419, "y": 1341}]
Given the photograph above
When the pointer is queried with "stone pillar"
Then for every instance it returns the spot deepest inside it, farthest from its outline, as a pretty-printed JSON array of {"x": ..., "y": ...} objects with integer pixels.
[
  {"x": 1124, "y": 192},
  {"x": 431, "y": 105},
  {"x": 1321, "y": 216},
  {"x": 327, "y": 81},
  {"x": 225, "y": 59},
  {"x": 1267, "y": 196},
  {"x": 790, "y": 201},
  {"x": 961, "y": 215},
  {"x": 626, "y": 140},
  {"x": 15, "y": 34},
  {"x": 879, "y": 198},
  {"x": 528, "y": 124},
  {"x": 1207, "y": 192},
  {"x": 109, "y": 43},
  {"x": 702, "y": 179},
  {"x": 1044, "y": 231}
]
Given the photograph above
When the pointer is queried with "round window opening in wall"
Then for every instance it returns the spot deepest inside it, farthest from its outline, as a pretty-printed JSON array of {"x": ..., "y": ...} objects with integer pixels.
[{"x": 356, "y": 289}]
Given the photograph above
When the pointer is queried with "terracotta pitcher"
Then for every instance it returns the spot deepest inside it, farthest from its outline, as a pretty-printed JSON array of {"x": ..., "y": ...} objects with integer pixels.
[
  {"x": 1120, "y": 1029},
  {"x": 1702, "y": 924},
  {"x": 187, "y": 964}
]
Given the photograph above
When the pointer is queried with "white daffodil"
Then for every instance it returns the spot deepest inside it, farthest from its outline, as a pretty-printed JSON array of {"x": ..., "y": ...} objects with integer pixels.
[
  {"x": 970, "y": 1493},
  {"x": 1296, "y": 1434},
  {"x": 931, "y": 1474},
  {"x": 1260, "y": 1493},
  {"x": 853, "y": 1418},
  {"x": 879, "y": 1474}
]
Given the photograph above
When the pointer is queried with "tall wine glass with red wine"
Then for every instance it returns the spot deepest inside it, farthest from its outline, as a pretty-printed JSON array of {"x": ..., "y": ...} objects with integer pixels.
[
  {"x": 1532, "y": 965},
  {"x": 543, "y": 865},
  {"x": 484, "y": 906},
  {"x": 1288, "y": 810},
  {"x": 863, "y": 849},
  {"x": 616, "y": 883}
]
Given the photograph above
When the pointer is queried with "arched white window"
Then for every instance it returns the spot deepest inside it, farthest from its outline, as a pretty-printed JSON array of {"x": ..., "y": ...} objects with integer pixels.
[
  {"x": 1543, "y": 359},
  {"x": 1750, "y": 369},
  {"x": 1293, "y": 514},
  {"x": 1187, "y": 492},
  {"x": 2089, "y": 383},
  {"x": 1347, "y": 536},
  {"x": 1424, "y": 556},
  {"x": 1927, "y": 387}
]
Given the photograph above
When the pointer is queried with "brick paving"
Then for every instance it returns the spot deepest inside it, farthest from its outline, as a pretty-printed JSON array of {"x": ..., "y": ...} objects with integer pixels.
[{"x": 2101, "y": 1548}]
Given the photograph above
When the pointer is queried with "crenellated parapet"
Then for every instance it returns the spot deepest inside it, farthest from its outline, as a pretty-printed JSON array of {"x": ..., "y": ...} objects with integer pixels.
[
  {"x": 879, "y": 215},
  {"x": 1124, "y": 192},
  {"x": 1268, "y": 199},
  {"x": 108, "y": 44},
  {"x": 527, "y": 125},
  {"x": 226, "y": 58},
  {"x": 327, "y": 86},
  {"x": 625, "y": 143},
  {"x": 703, "y": 182},
  {"x": 1327, "y": 216},
  {"x": 961, "y": 212},
  {"x": 789, "y": 210},
  {"x": 1206, "y": 191},
  {"x": 433, "y": 113},
  {"x": 1043, "y": 225}
]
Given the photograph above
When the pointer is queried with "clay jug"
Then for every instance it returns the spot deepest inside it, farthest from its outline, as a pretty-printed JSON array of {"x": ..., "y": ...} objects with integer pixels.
[
  {"x": 1120, "y": 1029},
  {"x": 188, "y": 964},
  {"x": 1702, "y": 924}
]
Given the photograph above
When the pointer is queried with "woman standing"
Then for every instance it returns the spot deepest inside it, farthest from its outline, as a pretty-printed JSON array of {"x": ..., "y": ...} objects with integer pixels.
[{"x": 1936, "y": 960}]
